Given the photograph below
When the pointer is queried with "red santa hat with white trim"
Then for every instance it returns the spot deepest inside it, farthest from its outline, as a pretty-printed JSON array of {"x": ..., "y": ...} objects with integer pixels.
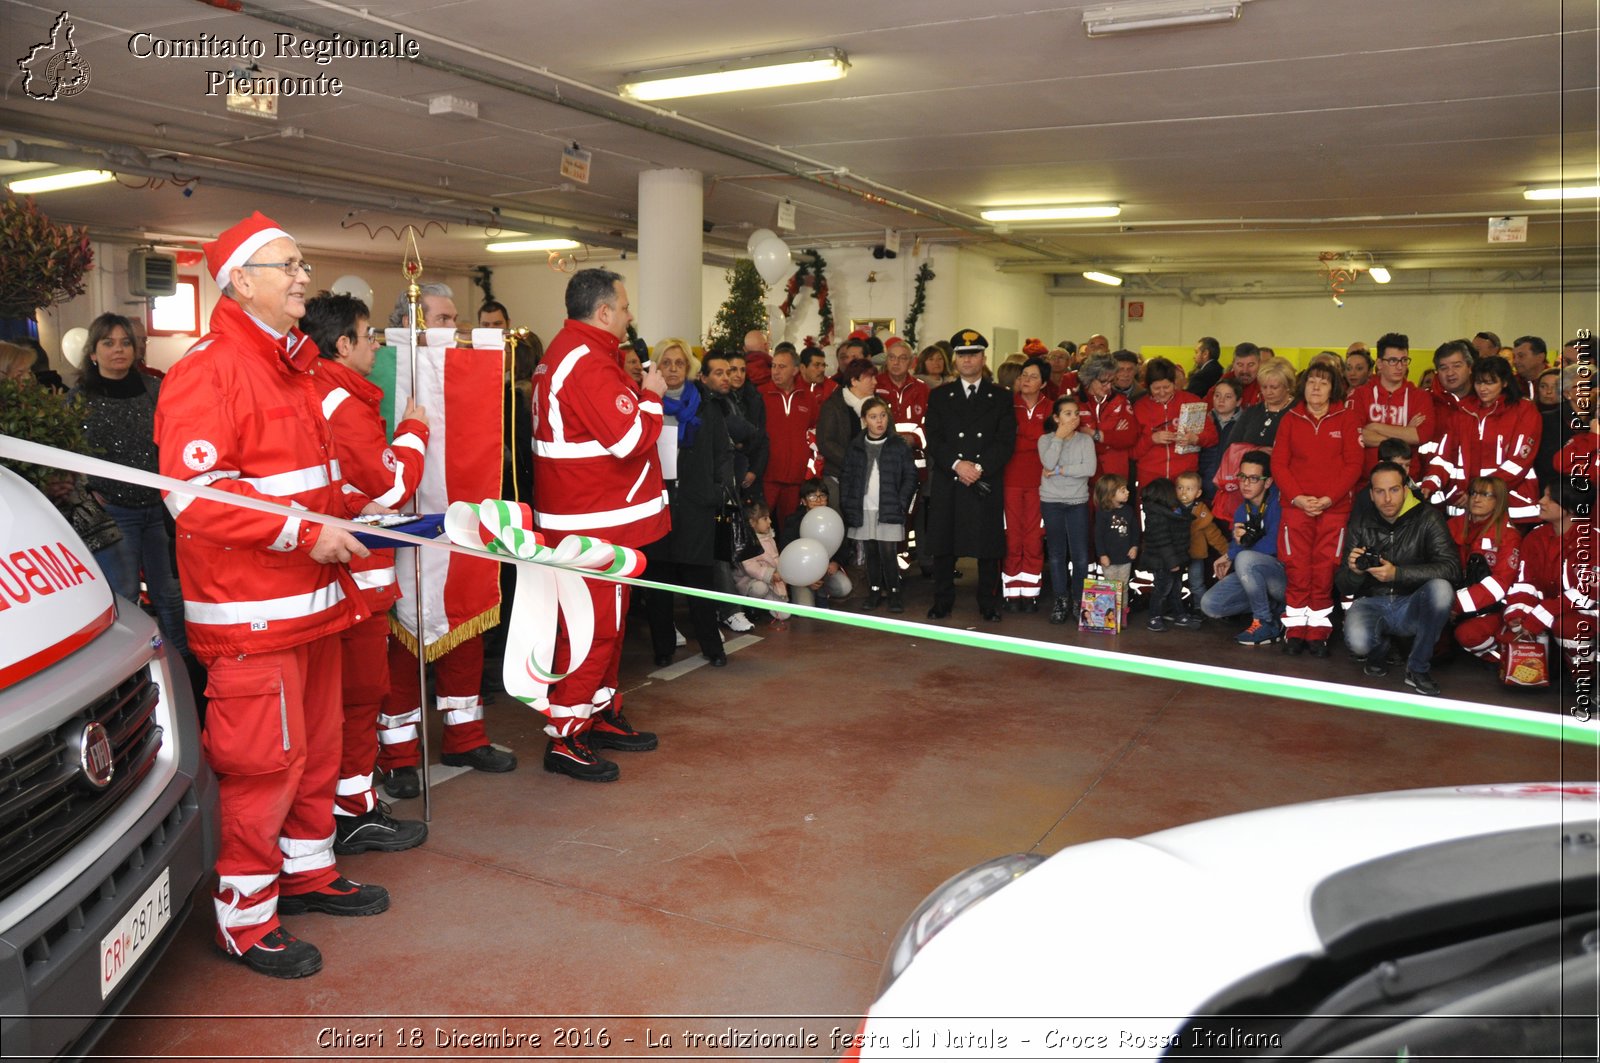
[{"x": 234, "y": 247}]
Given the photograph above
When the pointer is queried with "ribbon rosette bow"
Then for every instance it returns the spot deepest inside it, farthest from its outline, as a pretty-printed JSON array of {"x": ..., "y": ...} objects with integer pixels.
[{"x": 552, "y": 585}]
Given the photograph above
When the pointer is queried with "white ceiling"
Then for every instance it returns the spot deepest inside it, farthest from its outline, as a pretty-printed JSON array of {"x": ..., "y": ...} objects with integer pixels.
[{"x": 1393, "y": 127}]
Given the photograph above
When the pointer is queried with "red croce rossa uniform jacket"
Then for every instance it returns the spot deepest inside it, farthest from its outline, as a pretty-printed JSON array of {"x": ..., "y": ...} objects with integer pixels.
[
  {"x": 386, "y": 472},
  {"x": 791, "y": 427},
  {"x": 594, "y": 444},
  {"x": 1320, "y": 458},
  {"x": 1504, "y": 560},
  {"x": 240, "y": 413},
  {"x": 1112, "y": 417},
  {"x": 1555, "y": 577},
  {"x": 1025, "y": 470},
  {"x": 1500, "y": 440},
  {"x": 1157, "y": 460}
]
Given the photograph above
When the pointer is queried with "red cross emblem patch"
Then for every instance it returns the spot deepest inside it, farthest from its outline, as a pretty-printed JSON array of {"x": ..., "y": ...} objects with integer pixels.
[
  {"x": 625, "y": 405},
  {"x": 199, "y": 455}
]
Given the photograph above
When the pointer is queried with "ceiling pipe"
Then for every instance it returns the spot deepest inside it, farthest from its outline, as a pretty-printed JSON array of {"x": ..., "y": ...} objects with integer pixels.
[
  {"x": 727, "y": 143},
  {"x": 133, "y": 160},
  {"x": 1321, "y": 290}
]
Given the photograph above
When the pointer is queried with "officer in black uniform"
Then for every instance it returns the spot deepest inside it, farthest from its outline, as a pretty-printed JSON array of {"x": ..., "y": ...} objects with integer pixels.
[{"x": 971, "y": 432}]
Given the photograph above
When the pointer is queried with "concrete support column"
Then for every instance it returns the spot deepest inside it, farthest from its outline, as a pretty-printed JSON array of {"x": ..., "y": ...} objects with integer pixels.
[{"x": 671, "y": 212}]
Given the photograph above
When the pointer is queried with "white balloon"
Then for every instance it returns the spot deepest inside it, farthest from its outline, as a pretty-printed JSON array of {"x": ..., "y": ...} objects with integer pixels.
[
  {"x": 74, "y": 342},
  {"x": 352, "y": 285},
  {"x": 772, "y": 260},
  {"x": 757, "y": 238},
  {"x": 803, "y": 562},
  {"x": 825, "y": 526}
]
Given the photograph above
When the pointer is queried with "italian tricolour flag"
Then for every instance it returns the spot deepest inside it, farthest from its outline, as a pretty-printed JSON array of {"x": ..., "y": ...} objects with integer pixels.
[{"x": 462, "y": 391}]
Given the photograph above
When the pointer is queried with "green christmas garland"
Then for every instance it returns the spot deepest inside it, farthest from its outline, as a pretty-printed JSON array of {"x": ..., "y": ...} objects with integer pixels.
[
  {"x": 919, "y": 302},
  {"x": 810, "y": 268}
]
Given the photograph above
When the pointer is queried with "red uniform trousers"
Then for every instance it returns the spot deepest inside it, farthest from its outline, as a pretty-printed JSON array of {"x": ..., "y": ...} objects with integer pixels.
[
  {"x": 1480, "y": 635},
  {"x": 1311, "y": 549},
  {"x": 782, "y": 499},
  {"x": 272, "y": 737},
  {"x": 1024, "y": 564},
  {"x": 457, "y": 692},
  {"x": 1572, "y": 631},
  {"x": 592, "y": 687},
  {"x": 366, "y": 683}
]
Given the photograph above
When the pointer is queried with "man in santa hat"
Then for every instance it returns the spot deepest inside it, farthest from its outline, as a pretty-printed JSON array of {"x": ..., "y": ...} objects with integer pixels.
[{"x": 265, "y": 596}]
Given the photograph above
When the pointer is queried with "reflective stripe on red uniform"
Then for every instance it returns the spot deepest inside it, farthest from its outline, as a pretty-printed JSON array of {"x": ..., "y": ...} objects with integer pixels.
[
  {"x": 908, "y": 406},
  {"x": 791, "y": 433},
  {"x": 594, "y": 444},
  {"x": 386, "y": 472},
  {"x": 241, "y": 414},
  {"x": 1556, "y": 576},
  {"x": 1319, "y": 457},
  {"x": 1556, "y": 591},
  {"x": 1502, "y": 557},
  {"x": 390, "y": 473},
  {"x": 1022, "y": 572},
  {"x": 1498, "y": 440},
  {"x": 594, "y": 474}
]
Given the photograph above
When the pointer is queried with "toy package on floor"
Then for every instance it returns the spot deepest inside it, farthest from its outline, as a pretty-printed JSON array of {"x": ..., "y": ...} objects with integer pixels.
[{"x": 1104, "y": 602}]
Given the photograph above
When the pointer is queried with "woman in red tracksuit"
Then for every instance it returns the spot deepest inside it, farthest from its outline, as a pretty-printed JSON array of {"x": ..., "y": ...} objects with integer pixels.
[
  {"x": 1108, "y": 418},
  {"x": 1494, "y": 433},
  {"x": 1024, "y": 564},
  {"x": 1485, "y": 533},
  {"x": 1316, "y": 461},
  {"x": 1163, "y": 452}
]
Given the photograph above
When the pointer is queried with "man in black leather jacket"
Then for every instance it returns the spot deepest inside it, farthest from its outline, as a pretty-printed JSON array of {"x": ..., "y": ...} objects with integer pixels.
[{"x": 1401, "y": 565}]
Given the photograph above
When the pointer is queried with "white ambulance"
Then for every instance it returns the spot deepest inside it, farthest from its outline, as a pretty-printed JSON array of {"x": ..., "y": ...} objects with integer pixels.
[{"x": 108, "y": 814}]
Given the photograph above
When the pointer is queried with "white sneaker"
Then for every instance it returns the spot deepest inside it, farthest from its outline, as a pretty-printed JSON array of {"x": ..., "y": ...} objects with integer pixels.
[
  {"x": 678, "y": 639},
  {"x": 738, "y": 622}
]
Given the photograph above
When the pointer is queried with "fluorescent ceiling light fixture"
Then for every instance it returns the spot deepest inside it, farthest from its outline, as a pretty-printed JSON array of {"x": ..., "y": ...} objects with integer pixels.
[
  {"x": 1379, "y": 274},
  {"x": 1158, "y": 14},
  {"x": 1101, "y": 278},
  {"x": 55, "y": 182},
  {"x": 1558, "y": 192},
  {"x": 737, "y": 75},
  {"x": 533, "y": 245},
  {"x": 1086, "y": 210}
]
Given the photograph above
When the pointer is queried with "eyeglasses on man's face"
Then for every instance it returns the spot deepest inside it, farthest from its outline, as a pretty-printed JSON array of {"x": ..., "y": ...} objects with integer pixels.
[
  {"x": 1395, "y": 361},
  {"x": 1247, "y": 479},
  {"x": 291, "y": 267}
]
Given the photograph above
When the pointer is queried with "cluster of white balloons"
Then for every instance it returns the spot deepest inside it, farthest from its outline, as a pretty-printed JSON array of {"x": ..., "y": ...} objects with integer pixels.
[
  {"x": 805, "y": 560},
  {"x": 771, "y": 255}
]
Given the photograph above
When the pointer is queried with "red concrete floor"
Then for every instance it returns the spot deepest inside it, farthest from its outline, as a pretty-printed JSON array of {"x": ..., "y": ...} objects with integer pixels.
[{"x": 804, "y": 799}]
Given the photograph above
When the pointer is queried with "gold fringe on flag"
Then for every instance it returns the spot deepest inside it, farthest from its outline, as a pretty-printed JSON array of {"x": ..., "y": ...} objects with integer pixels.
[{"x": 454, "y": 637}]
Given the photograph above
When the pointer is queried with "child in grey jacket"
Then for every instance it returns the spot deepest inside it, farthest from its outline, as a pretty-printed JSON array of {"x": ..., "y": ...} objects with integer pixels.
[{"x": 1068, "y": 456}]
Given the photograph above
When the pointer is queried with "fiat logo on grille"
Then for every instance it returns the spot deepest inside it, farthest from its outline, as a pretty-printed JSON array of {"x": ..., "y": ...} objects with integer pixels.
[{"x": 94, "y": 755}]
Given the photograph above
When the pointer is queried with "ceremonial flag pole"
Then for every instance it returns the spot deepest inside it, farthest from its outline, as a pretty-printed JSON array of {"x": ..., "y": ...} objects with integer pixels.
[{"x": 411, "y": 268}]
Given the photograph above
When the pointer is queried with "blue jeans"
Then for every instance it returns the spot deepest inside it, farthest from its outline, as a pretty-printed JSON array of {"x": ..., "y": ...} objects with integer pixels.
[
  {"x": 1421, "y": 614},
  {"x": 146, "y": 547},
  {"x": 1066, "y": 533},
  {"x": 1256, "y": 585}
]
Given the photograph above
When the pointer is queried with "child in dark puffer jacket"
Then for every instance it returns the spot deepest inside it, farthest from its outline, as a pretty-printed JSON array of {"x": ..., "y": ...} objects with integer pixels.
[{"x": 1166, "y": 550}]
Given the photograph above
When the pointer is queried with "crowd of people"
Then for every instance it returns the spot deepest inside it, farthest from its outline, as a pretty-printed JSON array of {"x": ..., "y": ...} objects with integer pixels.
[{"x": 1451, "y": 512}]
